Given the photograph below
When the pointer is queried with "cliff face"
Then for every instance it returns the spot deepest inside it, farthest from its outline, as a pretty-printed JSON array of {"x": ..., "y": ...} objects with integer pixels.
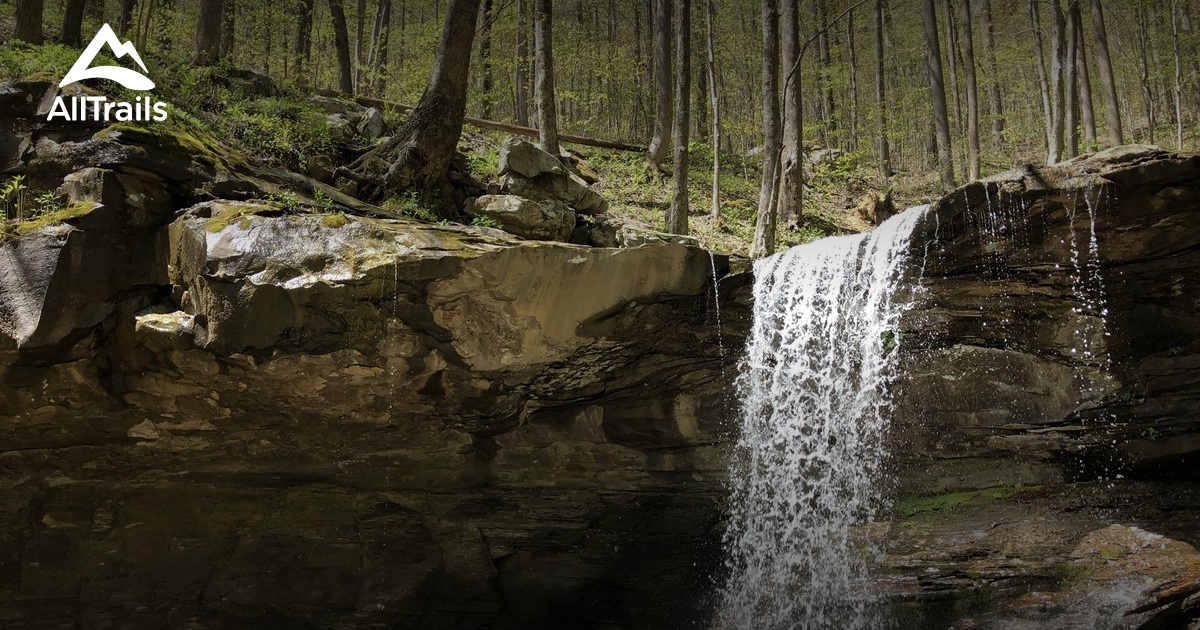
[
  {"x": 221, "y": 413},
  {"x": 1053, "y": 343},
  {"x": 232, "y": 417}
]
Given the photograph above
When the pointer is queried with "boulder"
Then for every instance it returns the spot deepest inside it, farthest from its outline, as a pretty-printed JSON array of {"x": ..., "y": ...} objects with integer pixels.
[
  {"x": 524, "y": 158},
  {"x": 540, "y": 220},
  {"x": 372, "y": 125},
  {"x": 341, "y": 128},
  {"x": 569, "y": 189},
  {"x": 635, "y": 236}
]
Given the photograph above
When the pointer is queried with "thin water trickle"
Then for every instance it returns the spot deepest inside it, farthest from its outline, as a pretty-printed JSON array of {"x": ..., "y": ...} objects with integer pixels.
[
  {"x": 814, "y": 388},
  {"x": 712, "y": 260}
]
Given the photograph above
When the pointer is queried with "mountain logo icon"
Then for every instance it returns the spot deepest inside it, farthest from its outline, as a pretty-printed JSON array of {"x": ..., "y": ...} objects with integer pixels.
[{"x": 126, "y": 77}]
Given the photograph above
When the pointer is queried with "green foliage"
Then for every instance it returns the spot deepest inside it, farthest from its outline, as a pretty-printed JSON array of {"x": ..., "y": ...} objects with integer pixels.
[
  {"x": 1151, "y": 434},
  {"x": 49, "y": 62},
  {"x": 483, "y": 221},
  {"x": 323, "y": 201},
  {"x": 411, "y": 205},
  {"x": 286, "y": 201},
  {"x": 278, "y": 131},
  {"x": 911, "y": 506},
  {"x": 15, "y": 196}
]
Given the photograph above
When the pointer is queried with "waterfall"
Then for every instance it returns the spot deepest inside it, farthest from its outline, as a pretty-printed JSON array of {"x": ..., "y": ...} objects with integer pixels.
[{"x": 814, "y": 387}]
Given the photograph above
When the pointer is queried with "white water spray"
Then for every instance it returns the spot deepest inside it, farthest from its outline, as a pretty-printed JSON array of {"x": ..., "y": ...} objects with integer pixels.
[{"x": 814, "y": 386}]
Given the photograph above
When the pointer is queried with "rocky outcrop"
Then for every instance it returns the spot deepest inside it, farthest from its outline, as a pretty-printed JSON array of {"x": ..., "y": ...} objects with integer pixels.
[
  {"x": 1053, "y": 344},
  {"x": 365, "y": 425},
  {"x": 538, "y": 220}
]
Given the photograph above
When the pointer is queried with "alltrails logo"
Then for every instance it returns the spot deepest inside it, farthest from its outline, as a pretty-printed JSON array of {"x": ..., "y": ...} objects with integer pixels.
[{"x": 99, "y": 108}]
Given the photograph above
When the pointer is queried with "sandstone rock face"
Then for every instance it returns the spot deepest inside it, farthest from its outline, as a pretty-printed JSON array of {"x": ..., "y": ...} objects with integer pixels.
[
  {"x": 539, "y": 220},
  {"x": 1053, "y": 343},
  {"x": 381, "y": 423}
]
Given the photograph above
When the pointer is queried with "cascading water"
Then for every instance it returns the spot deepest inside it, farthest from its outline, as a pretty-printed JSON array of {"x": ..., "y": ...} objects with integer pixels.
[{"x": 814, "y": 388}]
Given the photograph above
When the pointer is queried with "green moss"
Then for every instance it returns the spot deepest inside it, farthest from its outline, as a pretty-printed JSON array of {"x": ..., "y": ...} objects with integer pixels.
[
  {"x": 239, "y": 214},
  {"x": 10, "y": 230},
  {"x": 1112, "y": 553},
  {"x": 181, "y": 133},
  {"x": 914, "y": 505},
  {"x": 335, "y": 221}
]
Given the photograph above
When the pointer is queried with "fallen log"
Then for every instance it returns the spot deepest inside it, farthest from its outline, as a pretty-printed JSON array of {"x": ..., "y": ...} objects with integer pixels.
[{"x": 514, "y": 129}]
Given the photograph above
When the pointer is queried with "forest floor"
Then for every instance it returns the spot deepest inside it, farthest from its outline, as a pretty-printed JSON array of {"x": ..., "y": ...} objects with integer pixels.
[{"x": 289, "y": 131}]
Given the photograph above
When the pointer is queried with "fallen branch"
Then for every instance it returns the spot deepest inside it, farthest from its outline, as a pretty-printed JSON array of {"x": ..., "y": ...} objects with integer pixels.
[{"x": 515, "y": 129}]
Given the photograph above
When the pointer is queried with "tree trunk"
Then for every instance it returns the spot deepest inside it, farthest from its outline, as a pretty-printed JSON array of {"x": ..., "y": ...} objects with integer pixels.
[
  {"x": 1057, "y": 94},
  {"x": 885, "y": 152},
  {"x": 952, "y": 61},
  {"x": 972, "y": 93},
  {"x": 995, "y": 96},
  {"x": 522, "y": 78},
  {"x": 1043, "y": 80},
  {"x": 700, "y": 106},
  {"x": 1112, "y": 107},
  {"x": 937, "y": 88},
  {"x": 544, "y": 83},
  {"x": 1178, "y": 91},
  {"x": 662, "y": 85},
  {"x": 485, "y": 61},
  {"x": 304, "y": 39},
  {"x": 360, "y": 33},
  {"x": 73, "y": 23},
  {"x": 28, "y": 21},
  {"x": 764, "y": 226},
  {"x": 208, "y": 32},
  {"x": 1071, "y": 83},
  {"x": 126, "y": 18},
  {"x": 714, "y": 102},
  {"x": 852, "y": 63},
  {"x": 381, "y": 34},
  {"x": 227, "y": 31},
  {"x": 418, "y": 156},
  {"x": 791, "y": 171},
  {"x": 1088, "y": 113},
  {"x": 341, "y": 38},
  {"x": 1147, "y": 92},
  {"x": 828, "y": 106},
  {"x": 677, "y": 214}
]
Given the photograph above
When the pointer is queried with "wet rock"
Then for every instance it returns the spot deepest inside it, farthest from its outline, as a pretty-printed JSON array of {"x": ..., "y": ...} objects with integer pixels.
[{"x": 539, "y": 220}]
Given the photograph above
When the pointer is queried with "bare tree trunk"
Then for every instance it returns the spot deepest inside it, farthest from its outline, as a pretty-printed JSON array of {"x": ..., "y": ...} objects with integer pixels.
[
  {"x": 764, "y": 226},
  {"x": 715, "y": 208},
  {"x": 341, "y": 37},
  {"x": 792, "y": 173},
  {"x": 677, "y": 214},
  {"x": 418, "y": 156},
  {"x": 1112, "y": 106},
  {"x": 1043, "y": 80},
  {"x": 1088, "y": 114},
  {"x": 28, "y": 25},
  {"x": 544, "y": 83},
  {"x": 937, "y": 87},
  {"x": 208, "y": 32},
  {"x": 1178, "y": 91},
  {"x": 952, "y": 61},
  {"x": 885, "y": 153},
  {"x": 972, "y": 93},
  {"x": 360, "y": 28},
  {"x": 995, "y": 96},
  {"x": 1147, "y": 91},
  {"x": 522, "y": 78},
  {"x": 381, "y": 33},
  {"x": 228, "y": 24},
  {"x": 1058, "y": 99},
  {"x": 700, "y": 106},
  {"x": 73, "y": 23},
  {"x": 304, "y": 39},
  {"x": 852, "y": 62},
  {"x": 485, "y": 61},
  {"x": 1071, "y": 83},
  {"x": 828, "y": 117},
  {"x": 662, "y": 85},
  {"x": 126, "y": 17}
]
